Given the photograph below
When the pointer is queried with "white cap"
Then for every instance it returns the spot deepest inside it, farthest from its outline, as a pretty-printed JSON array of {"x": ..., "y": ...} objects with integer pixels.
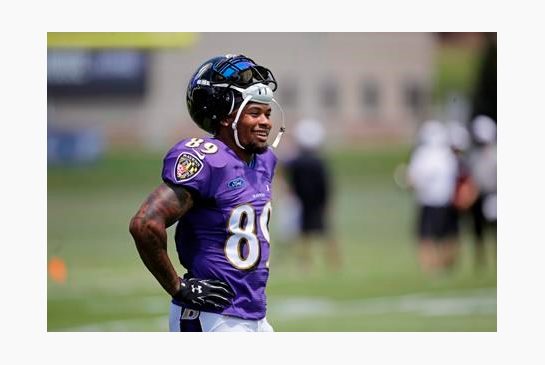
[
  {"x": 484, "y": 129},
  {"x": 309, "y": 133}
]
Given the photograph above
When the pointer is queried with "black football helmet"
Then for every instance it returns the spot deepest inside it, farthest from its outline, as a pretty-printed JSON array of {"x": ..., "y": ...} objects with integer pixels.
[{"x": 217, "y": 88}]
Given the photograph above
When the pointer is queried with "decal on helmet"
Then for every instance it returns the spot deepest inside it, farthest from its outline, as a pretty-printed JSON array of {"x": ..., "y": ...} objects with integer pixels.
[
  {"x": 187, "y": 167},
  {"x": 202, "y": 70}
]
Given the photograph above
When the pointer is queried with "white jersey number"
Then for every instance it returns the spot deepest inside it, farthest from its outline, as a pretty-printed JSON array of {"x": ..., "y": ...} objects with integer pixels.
[
  {"x": 207, "y": 147},
  {"x": 242, "y": 227}
]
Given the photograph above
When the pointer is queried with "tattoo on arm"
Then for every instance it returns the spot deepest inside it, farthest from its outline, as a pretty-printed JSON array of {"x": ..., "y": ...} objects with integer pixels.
[{"x": 163, "y": 207}]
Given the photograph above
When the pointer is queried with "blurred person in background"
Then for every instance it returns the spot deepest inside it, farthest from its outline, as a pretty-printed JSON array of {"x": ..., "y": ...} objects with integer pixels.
[
  {"x": 309, "y": 180},
  {"x": 482, "y": 157},
  {"x": 432, "y": 173},
  {"x": 465, "y": 189},
  {"x": 483, "y": 167},
  {"x": 218, "y": 189}
]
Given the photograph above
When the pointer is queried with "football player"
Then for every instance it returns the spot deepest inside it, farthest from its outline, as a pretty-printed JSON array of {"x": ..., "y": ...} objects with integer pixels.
[
  {"x": 432, "y": 173},
  {"x": 218, "y": 191},
  {"x": 310, "y": 181}
]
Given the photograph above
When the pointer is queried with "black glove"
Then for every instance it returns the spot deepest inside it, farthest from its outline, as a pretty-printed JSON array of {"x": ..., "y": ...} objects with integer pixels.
[{"x": 204, "y": 293}]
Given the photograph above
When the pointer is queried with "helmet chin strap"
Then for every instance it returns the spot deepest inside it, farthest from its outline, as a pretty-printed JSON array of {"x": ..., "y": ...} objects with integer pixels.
[{"x": 260, "y": 94}]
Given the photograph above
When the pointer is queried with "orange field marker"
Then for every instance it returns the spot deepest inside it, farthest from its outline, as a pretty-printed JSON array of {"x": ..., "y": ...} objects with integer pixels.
[{"x": 57, "y": 269}]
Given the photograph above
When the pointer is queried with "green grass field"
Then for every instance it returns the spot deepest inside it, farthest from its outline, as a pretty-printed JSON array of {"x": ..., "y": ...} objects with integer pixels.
[{"x": 379, "y": 287}]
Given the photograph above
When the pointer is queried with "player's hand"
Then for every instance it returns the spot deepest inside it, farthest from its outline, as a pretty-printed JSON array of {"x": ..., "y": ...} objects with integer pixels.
[{"x": 204, "y": 293}]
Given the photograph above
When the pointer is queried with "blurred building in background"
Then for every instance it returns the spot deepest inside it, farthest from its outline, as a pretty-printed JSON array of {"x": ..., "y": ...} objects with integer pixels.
[{"x": 367, "y": 86}]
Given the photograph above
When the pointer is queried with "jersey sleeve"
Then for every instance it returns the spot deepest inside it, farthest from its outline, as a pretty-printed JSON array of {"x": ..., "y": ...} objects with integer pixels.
[{"x": 183, "y": 167}]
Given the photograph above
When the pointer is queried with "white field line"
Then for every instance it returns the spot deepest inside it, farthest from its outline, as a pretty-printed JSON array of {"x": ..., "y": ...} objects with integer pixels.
[
  {"x": 154, "y": 324},
  {"x": 424, "y": 304},
  {"x": 455, "y": 303}
]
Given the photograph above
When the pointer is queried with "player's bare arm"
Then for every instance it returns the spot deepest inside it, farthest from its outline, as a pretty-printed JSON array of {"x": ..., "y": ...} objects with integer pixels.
[{"x": 163, "y": 207}]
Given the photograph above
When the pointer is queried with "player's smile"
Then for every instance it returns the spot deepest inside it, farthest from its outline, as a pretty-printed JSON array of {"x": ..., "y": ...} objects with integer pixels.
[{"x": 262, "y": 135}]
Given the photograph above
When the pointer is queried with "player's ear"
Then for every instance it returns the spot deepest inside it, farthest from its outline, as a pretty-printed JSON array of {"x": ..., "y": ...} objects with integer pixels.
[{"x": 226, "y": 122}]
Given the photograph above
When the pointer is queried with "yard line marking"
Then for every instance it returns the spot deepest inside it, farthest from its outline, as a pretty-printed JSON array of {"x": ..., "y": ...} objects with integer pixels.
[{"x": 424, "y": 304}]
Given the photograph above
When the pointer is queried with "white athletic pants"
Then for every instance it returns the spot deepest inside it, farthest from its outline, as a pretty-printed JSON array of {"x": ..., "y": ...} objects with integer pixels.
[{"x": 188, "y": 320}]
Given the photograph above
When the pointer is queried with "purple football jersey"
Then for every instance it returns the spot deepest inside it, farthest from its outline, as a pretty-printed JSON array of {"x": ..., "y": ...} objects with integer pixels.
[{"x": 225, "y": 235}]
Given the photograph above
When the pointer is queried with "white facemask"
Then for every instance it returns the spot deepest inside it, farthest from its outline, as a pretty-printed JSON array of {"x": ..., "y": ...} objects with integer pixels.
[{"x": 258, "y": 93}]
